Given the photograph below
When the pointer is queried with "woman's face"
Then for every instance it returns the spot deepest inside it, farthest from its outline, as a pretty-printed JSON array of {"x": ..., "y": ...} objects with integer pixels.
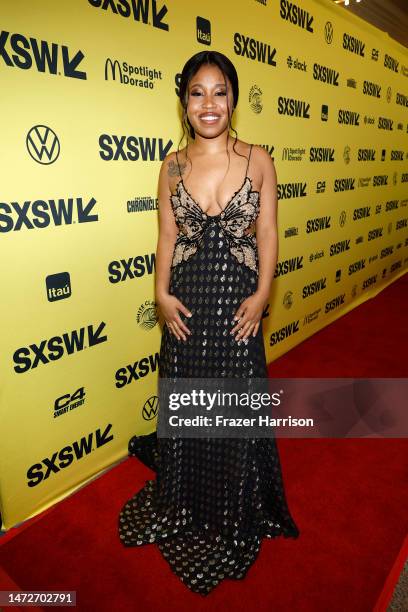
[{"x": 207, "y": 108}]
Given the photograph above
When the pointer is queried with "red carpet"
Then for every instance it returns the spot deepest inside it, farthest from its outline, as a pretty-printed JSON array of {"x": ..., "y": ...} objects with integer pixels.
[{"x": 349, "y": 498}]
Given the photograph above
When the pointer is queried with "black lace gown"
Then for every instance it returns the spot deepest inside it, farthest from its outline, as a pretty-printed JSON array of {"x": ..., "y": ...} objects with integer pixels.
[{"x": 214, "y": 499}]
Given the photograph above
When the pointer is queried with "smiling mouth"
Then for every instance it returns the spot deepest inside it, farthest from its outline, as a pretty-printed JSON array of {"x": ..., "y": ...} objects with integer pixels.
[{"x": 209, "y": 118}]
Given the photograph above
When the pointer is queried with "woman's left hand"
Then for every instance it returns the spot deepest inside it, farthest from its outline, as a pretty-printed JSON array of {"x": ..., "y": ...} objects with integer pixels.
[{"x": 250, "y": 315}]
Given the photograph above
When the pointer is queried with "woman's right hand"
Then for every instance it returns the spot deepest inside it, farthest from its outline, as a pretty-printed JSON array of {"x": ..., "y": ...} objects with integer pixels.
[{"x": 170, "y": 306}]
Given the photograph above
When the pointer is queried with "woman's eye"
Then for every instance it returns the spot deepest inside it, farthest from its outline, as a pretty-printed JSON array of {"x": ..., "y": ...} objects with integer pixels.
[{"x": 198, "y": 93}]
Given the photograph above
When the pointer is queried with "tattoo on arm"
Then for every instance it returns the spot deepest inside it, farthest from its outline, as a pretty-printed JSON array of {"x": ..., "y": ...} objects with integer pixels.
[{"x": 173, "y": 170}]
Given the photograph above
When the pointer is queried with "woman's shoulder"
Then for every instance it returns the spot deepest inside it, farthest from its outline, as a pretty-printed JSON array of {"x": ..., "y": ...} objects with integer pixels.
[
  {"x": 170, "y": 164},
  {"x": 179, "y": 154},
  {"x": 244, "y": 148},
  {"x": 262, "y": 159},
  {"x": 261, "y": 153}
]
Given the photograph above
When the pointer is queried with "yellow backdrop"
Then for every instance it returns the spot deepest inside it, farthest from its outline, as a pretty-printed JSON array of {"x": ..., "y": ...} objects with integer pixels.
[{"x": 89, "y": 110}]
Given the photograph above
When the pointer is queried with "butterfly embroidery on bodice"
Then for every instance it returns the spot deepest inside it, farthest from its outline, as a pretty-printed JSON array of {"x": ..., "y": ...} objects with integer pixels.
[{"x": 237, "y": 216}]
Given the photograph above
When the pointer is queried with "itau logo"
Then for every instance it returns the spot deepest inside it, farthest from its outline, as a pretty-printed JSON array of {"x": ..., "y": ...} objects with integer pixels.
[
  {"x": 58, "y": 286},
  {"x": 203, "y": 27},
  {"x": 43, "y": 144}
]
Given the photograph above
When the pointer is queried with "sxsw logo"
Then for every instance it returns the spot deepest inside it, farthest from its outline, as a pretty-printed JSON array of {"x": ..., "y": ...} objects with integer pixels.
[
  {"x": 325, "y": 74},
  {"x": 136, "y": 370},
  {"x": 254, "y": 49},
  {"x": 203, "y": 27},
  {"x": 353, "y": 44},
  {"x": 64, "y": 457},
  {"x": 41, "y": 213},
  {"x": 293, "y": 107},
  {"x": 133, "y": 148},
  {"x": 132, "y": 267},
  {"x": 58, "y": 286},
  {"x": 391, "y": 63},
  {"x": 298, "y": 16},
  {"x": 336, "y": 302},
  {"x": 51, "y": 349},
  {"x": 146, "y": 12},
  {"x": 284, "y": 332},
  {"x": 41, "y": 55}
]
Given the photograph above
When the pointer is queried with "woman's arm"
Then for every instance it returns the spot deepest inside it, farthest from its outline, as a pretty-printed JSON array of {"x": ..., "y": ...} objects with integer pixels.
[
  {"x": 167, "y": 232},
  {"x": 266, "y": 225},
  {"x": 169, "y": 304},
  {"x": 249, "y": 313}
]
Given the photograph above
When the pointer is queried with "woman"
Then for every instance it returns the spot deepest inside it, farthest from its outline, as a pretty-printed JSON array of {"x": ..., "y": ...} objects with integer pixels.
[{"x": 214, "y": 499}]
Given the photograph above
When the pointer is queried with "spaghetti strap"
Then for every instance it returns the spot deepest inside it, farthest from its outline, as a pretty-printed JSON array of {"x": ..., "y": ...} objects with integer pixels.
[
  {"x": 178, "y": 164},
  {"x": 249, "y": 157}
]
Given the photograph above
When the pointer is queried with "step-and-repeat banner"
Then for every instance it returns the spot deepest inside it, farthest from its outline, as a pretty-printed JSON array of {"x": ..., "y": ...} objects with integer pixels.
[{"x": 89, "y": 111}]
